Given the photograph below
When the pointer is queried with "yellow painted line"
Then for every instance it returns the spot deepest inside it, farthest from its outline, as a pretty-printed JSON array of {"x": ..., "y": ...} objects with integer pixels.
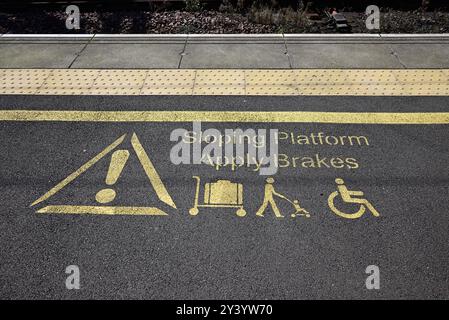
[
  {"x": 228, "y": 116},
  {"x": 151, "y": 172},
  {"x": 70, "y": 209},
  {"x": 232, "y": 82}
]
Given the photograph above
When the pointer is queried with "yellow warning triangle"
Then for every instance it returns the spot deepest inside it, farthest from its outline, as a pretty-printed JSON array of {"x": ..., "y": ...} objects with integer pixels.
[{"x": 148, "y": 167}]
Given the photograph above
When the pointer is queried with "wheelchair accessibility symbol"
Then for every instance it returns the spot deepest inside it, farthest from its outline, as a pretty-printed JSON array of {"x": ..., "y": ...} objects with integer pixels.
[{"x": 349, "y": 196}]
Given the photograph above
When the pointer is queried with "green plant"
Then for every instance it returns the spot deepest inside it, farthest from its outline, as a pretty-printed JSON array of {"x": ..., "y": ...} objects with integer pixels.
[
  {"x": 285, "y": 18},
  {"x": 260, "y": 15},
  {"x": 193, "y": 5},
  {"x": 226, "y": 7}
]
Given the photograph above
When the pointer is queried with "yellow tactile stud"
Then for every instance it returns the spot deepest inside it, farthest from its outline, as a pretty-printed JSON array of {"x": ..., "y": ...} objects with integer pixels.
[
  {"x": 22, "y": 81},
  {"x": 168, "y": 82},
  {"x": 344, "y": 82},
  {"x": 119, "y": 82},
  {"x": 219, "y": 82},
  {"x": 69, "y": 82},
  {"x": 420, "y": 76},
  {"x": 271, "y": 82},
  {"x": 445, "y": 74}
]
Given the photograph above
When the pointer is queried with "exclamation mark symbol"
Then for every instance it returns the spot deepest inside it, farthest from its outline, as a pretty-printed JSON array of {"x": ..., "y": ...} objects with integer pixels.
[{"x": 118, "y": 161}]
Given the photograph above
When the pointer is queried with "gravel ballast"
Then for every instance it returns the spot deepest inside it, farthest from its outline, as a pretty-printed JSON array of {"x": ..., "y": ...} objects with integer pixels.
[{"x": 213, "y": 22}]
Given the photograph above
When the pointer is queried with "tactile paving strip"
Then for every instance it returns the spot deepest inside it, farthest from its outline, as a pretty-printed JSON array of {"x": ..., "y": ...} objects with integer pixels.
[
  {"x": 118, "y": 82},
  {"x": 75, "y": 82},
  {"x": 168, "y": 82},
  {"x": 339, "y": 82},
  {"x": 22, "y": 81},
  {"x": 219, "y": 82}
]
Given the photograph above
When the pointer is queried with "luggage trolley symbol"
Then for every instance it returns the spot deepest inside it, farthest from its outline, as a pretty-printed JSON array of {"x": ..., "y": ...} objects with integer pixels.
[{"x": 219, "y": 194}]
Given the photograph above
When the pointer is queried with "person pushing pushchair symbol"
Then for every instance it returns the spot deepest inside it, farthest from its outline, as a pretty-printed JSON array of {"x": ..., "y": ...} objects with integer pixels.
[
  {"x": 298, "y": 210},
  {"x": 349, "y": 196},
  {"x": 270, "y": 193}
]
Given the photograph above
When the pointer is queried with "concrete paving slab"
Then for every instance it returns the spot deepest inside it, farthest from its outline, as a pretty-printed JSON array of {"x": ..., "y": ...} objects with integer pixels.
[
  {"x": 135, "y": 51},
  {"x": 129, "y": 56},
  {"x": 348, "y": 55},
  {"x": 40, "y": 51},
  {"x": 331, "y": 38},
  {"x": 416, "y": 38},
  {"x": 424, "y": 56},
  {"x": 46, "y": 38},
  {"x": 38, "y": 55},
  {"x": 234, "y": 51},
  {"x": 224, "y": 51},
  {"x": 340, "y": 51},
  {"x": 139, "y": 38}
]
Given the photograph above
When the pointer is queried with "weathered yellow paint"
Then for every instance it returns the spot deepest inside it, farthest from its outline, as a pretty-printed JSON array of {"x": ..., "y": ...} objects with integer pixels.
[
  {"x": 79, "y": 171},
  {"x": 118, "y": 161},
  {"x": 230, "y": 82},
  {"x": 151, "y": 172},
  {"x": 229, "y": 116},
  {"x": 69, "y": 209}
]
